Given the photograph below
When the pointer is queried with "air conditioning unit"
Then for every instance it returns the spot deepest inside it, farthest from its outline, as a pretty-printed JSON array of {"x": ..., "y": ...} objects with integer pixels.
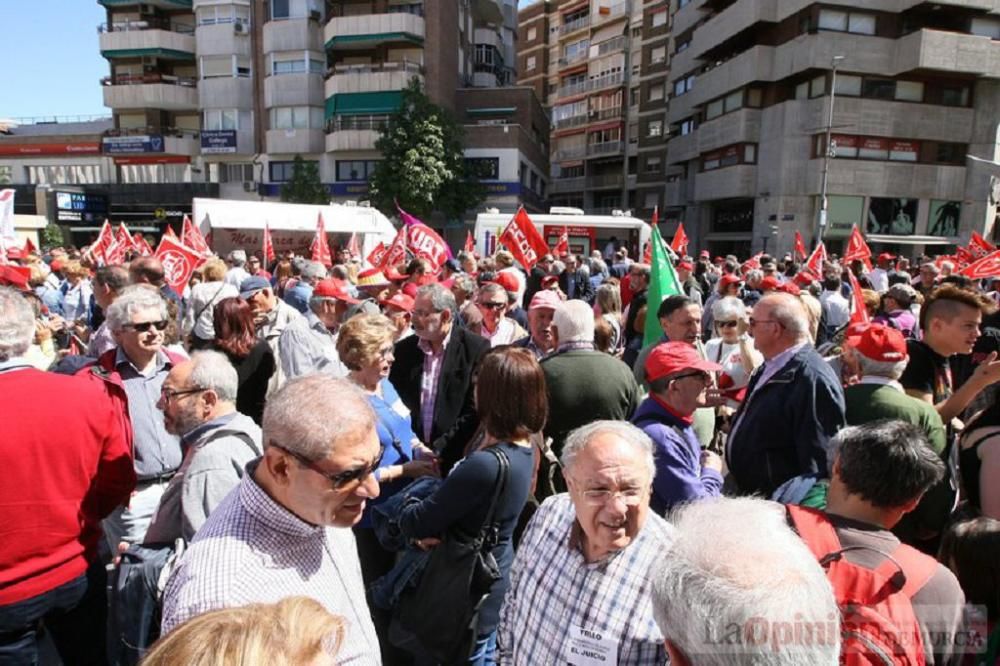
[
  {"x": 249, "y": 186},
  {"x": 239, "y": 28}
]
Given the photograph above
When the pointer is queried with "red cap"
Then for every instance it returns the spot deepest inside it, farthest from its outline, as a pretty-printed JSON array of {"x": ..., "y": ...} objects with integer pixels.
[
  {"x": 15, "y": 276},
  {"x": 878, "y": 342},
  {"x": 549, "y": 280},
  {"x": 507, "y": 281},
  {"x": 672, "y": 357},
  {"x": 334, "y": 288},
  {"x": 400, "y": 301},
  {"x": 393, "y": 275},
  {"x": 730, "y": 278},
  {"x": 885, "y": 256},
  {"x": 544, "y": 298},
  {"x": 15, "y": 253},
  {"x": 770, "y": 283},
  {"x": 805, "y": 278},
  {"x": 56, "y": 265},
  {"x": 789, "y": 288},
  {"x": 685, "y": 265},
  {"x": 704, "y": 253}
]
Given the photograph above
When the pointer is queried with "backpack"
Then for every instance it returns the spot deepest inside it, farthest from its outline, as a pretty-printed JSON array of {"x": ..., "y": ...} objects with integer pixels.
[{"x": 878, "y": 624}]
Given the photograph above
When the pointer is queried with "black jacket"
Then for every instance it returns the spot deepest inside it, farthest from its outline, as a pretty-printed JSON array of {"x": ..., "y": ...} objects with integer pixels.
[
  {"x": 455, "y": 418},
  {"x": 783, "y": 430},
  {"x": 579, "y": 287}
]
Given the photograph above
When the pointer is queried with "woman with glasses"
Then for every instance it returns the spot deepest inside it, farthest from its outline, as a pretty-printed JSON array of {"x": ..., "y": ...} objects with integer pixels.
[
  {"x": 236, "y": 337},
  {"x": 512, "y": 404},
  {"x": 732, "y": 348}
]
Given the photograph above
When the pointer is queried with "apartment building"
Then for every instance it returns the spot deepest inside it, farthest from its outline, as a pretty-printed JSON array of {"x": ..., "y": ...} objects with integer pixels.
[
  {"x": 229, "y": 92},
  {"x": 601, "y": 67},
  {"x": 912, "y": 158}
]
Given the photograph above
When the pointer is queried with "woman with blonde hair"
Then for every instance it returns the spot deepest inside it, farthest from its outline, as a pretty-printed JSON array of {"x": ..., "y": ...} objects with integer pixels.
[
  {"x": 199, "y": 315},
  {"x": 76, "y": 298},
  {"x": 608, "y": 307},
  {"x": 297, "y": 631}
]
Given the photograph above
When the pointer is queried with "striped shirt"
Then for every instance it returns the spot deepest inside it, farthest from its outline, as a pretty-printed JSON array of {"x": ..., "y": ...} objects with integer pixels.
[
  {"x": 429, "y": 383},
  {"x": 555, "y": 593},
  {"x": 253, "y": 550}
]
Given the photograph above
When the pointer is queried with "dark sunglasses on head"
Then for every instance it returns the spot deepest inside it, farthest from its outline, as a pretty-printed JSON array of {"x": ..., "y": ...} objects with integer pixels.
[{"x": 144, "y": 327}]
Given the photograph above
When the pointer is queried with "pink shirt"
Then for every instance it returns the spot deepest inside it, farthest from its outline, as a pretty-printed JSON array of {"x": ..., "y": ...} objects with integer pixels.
[{"x": 429, "y": 383}]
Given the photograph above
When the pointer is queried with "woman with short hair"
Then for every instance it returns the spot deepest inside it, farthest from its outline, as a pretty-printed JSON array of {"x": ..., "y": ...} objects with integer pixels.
[
  {"x": 236, "y": 337},
  {"x": 198, "y": 321},
  {"x": 732, "y": 348}
]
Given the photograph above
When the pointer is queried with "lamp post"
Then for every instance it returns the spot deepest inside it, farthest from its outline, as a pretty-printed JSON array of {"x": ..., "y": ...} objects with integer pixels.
[{"x": 827, "y": 153}]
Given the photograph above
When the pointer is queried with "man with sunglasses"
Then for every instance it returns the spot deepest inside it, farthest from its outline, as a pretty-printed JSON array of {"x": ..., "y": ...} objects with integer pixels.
[
  {"x": 134, "y": 372},
  {"x": 285, "y": 529},
  {"x": 678, "y": 378}
]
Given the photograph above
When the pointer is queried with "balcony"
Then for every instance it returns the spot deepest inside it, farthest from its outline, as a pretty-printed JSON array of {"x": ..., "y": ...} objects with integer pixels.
[
  {"x": 610, "y": 113},
  {"x": 296, "y": 89},
  {"x": 738, "y": 181},
  {"x": 950, "y": 52},
  {"x": 354, "y": 132},
  {"x": 374, "y": 77},
  {"x": 569, "y": 153},
  {"x": 224, "y": 38},
  {"x": 295, "y": 141},
  {"x": 150, "y": 91},
  {"x": 682, "y": 147},
  {"x": 572, "y": 121},
  {"x": 610, "y": 46},
  {"x": 605, "y": 148},
  {"x": 562, "y": 185},
  {"x": 730, "y": 21},
  {"x": 605, "y": 14},
  {"x": 488, "y": 11},
  {"x": 151, "y": 37},
  {"x": 226, "y": 92},
  {"x": 579, "y": 57},
  {"x": 612, "y": 180},
  {"x": 574, "y": 26},
  {"x": 300, "y": 34},
  {"x": 888, "y": 179},
  {"x": 590, "y": 85},
  {"x": 742, "y": 126},
  {"x": 371, "y": 30}
]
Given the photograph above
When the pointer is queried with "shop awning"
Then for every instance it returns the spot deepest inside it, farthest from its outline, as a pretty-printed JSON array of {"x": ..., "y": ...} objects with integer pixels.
[
  {"x": 365, "y": 103},
  {"x": 912, "y": 240}
]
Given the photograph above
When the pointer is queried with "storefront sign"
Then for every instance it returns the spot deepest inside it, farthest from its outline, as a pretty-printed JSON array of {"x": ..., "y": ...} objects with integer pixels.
[
  {"x": 122, "y": 145},
  {"x": 217, "y": 142},
  {"x": 76, "y": 148}
]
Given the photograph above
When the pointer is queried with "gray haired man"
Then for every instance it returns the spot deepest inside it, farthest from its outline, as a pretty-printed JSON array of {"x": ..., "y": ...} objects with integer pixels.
[
  {"x": 309, "y": 344},
  {"x": 198, "y": 401},
  {"x": 580, "y": 584}
]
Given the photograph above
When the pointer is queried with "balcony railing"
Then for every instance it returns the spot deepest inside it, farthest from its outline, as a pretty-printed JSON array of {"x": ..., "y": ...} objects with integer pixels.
[
  {"x": 605, "y": 81},
  {"x": 607, "y": 180},
  {"x": 179, "y": 132},
  {"x": 572, "y": 121},
  {"x": 377, "y": 67},
  {"x": 605, "y": 148},
  {"x": 146, "y": 24},
  {"x": 574, "y": 153},
  {"x": 377, "y": 123},
  {"x": 573, "y": 59},
  {"x": 608, "y": 13},
  {"x": 574, "y": 25},
  {"x": 341, "y": 10},
  {"x": 611, "y": 46},
  {"x": 145, "y": 79},
  {"x": 575, "y": 184},
  {"x": 606, "y": 114}
]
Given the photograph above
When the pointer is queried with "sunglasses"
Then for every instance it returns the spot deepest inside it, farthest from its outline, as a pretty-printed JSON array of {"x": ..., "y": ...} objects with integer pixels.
[
  {"x": 727, "y": 324},
  {"x": 340, "y": 480},
  {"x": 493, "y": 306},
  {"x": 143, "y": 327}
]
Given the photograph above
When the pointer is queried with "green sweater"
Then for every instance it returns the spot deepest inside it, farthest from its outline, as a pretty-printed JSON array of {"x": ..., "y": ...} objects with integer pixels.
[{"x": 871, "y": 402}]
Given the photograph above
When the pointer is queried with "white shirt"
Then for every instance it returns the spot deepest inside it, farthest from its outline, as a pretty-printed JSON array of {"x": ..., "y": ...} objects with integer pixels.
[
  {"x": 879, "y": 279},
  {"x": 836, "y": 308}
]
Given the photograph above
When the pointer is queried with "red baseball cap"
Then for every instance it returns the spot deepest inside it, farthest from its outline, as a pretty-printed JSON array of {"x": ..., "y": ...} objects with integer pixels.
[
  {"x": 805, "y": 278},
  {"x": 507, "y": 281},
  {"x": 730, "y": 278},
  {"x": 878, "y": 342},
  {"x": 672, "y": 357},
  {"x": 15, "y": 276},
  {"x": 885, "y": 256},
  {"x": 686, "y": 265},
  {"x": 770, "y": 283},
  {"x": 334, "y": 288},
  {"x": 399, "y": 300},
  {"x": 544, "y": 298},
  {"x": 704, "y": 253},
  {"x": 789, "y": 288}
]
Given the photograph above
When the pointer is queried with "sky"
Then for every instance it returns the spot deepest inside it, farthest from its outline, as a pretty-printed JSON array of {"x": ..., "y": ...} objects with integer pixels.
[{"x": 49, "y": 59}]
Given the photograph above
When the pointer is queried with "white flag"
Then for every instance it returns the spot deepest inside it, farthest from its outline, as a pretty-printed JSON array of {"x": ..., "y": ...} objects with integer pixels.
[{"x": 7, "y": 216}]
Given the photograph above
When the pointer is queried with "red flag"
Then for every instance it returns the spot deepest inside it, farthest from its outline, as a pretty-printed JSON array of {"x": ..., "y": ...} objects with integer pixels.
[
  {"x": 979, "y": 246},
  {"x": 169, "y": 231},
  {"x": 124, "y": 238},
  {"x": 424, "y": 242},
  {"x": 521, "y": 237},
  {"x": 105, "y": 239},
  {"x": 860, "y": 313},
  {"x": 680, "y": 242},
  {"x": 984, "y": 267},
  {"x": 562, "y": 245},
  {"x": 800, "y": 247},
  {"x": 179, "y": 262},
  {"x": 320, "y": 246},
  {"x": 354, "y": 247},
  {"x": 963, "y": 257},
  {"x": 29, "y": 247},
  {"x": 470, "y": 243},
  {"x": 141, "y": 245},
  {"x": 396, "y": 253},
  {"x": 815, "y": 263},
  {"x": 191, "y": 236},
  {"x": 376, "y": 256},
  {"x": 115, "y": 254},
  {"x": 269, "y": 255},
  {"x": 857, "y": 248}
]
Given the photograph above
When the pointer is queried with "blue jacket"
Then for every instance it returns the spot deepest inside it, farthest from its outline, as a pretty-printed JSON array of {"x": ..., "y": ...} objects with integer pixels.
[
  {"x": 784, "y": 428},
  {"x": 679, "y": 474}
]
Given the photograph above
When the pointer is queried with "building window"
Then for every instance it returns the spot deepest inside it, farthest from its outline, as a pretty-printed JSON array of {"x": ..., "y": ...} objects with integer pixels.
[
  {"x": 483, "y": 168},
  {"x": 220, "y": 119},
  {"x": 878, "y": 88},
  {"x": 293, "y": 9},
  {"x": 687, "y": 126},
  {"x": 221, "y": 14},
  {"x": 216, "y": 66},
  {"x": 297, "y": 63},
  {"x": 296, "y": 117},
  {"x": 355, "y": 170},
  {"x": 656, "y": 93},
  {"x": 532, "y": 34},
  {"x": 654, "y": 164},
  {"x": 841, "y": 21},
  {"x": 740, "y": 153},
  {"x": 848, "y": 146},
  {"x": 235, "y": 172},
  {"x": 281, "y": 172},
  {"x": 657, "y": 55},
  {"x": 985, "y": 28},
  {"x": 529, "y": 63},
  {"x": 683, "y": 85},
  {"x": 659, "y": 19},
  {"x": 730, "y": 102},
  {"x": 651, "y": 199},
  {"x": 654, "y": 128}
]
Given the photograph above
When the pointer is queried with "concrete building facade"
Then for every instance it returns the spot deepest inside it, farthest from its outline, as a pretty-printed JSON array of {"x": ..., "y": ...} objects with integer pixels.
[{"x": 913, "y": 131}]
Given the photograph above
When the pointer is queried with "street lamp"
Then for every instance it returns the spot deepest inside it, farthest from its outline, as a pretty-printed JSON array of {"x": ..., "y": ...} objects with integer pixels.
[{"x": 827, "y": 154}]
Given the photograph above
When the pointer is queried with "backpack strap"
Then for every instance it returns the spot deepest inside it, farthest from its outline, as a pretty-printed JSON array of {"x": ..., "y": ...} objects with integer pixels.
[
  {"x": 815, "y": 530},
  {"x": 917, "y": 568}
]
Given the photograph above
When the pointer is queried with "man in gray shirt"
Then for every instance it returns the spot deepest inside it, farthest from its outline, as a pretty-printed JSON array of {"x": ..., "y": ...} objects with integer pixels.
[
  {"x": 309, "y": 344},
  {"x": 198, "y": 404}
]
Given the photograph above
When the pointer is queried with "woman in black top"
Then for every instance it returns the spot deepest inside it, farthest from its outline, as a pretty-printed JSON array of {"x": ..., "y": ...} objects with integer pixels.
[
  {"x": 236, "y": 337},
  {"x": 979, "y": 460},
  {"x": 512, "y": 405}
]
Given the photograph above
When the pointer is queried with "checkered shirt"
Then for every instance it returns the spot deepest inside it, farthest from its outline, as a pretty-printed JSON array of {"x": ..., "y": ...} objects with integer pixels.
[
  {"x": 253, "y": 550},
  {"x": 553, "y": 588}
]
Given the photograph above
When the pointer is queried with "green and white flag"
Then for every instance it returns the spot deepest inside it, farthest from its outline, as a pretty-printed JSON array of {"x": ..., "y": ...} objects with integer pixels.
[{"x": 663, "y": 282}]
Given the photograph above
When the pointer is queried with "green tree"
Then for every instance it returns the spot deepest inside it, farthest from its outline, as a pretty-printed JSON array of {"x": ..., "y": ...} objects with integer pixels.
[
  {"x": 422, "y": 165},
  {"x": 305, "y": 186},
  {"x": 52, "y": 236}
]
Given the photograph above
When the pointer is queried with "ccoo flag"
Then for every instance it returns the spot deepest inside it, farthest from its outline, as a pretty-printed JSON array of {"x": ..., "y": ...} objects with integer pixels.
[{"x": 663, "y": 282}]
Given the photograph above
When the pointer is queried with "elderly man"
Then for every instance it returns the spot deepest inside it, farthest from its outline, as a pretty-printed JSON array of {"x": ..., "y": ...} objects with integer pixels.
[
  {"x": 67, "y": 459},
  {"x": 794, "y": 402},
  {"x": 584, "y": 384},
  {"x": 271, "y": 317},
  {"x": 198, "y": 400},
  {"x": 108, "y": 282},
  {"x": 135, "y": 372},
  {"x": 298, "y": 296},
  {"x": 399, "y": 309},
  {"x": 928, "y": 280},
  {"x": 575, "y": 280},
  {"x": 879, "y": 276},
  {"x": 542, "y": 309},
  {"x": 309, "y": 344},
  {"x": 433, "y": 374},
  {"x": 499, "y": 329},
  {"x": 678, "y": 378},
  {"x": 237, "y": 260},
  {"x": 770, "y": 582},
  {"x": 285, "y": 529},
  {"x": 580, "y": 585},
  {"x": 149, "y": 270}
]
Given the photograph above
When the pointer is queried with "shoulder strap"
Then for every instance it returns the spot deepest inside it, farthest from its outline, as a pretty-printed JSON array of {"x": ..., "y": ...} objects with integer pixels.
[
  {"x": 239, "y": 434},
  {"x": 815, "y": 529},
  {"x": 917, "y": 568},
  {"x": 503, "y": 472}
]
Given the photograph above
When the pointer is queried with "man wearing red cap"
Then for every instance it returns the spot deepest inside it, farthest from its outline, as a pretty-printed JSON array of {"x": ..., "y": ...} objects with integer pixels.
[
  {"x": 879, "y": 276},
  {"x": 309, "y": 344},
  {"x": 689, "y": 286},
  {"x": 399, "y": 309},
  {"x": 678, "y": 378}
]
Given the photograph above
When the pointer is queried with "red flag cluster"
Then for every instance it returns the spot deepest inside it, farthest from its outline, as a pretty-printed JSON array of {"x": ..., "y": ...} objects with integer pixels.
[
  {"x": 680, "y": 242},
  {"x": 191, "y": 236},
  {"x": 179, "y": 261},
  {"x": 320, "y": 247},
  {"x": 521, "y": 237}
]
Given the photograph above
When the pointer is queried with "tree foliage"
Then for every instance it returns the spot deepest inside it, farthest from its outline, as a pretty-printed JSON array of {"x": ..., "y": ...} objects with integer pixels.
[
  {"x": 305, "y": 185},
  {"x": 52, "y": 236},
  {"x": 423, "y": 166}
]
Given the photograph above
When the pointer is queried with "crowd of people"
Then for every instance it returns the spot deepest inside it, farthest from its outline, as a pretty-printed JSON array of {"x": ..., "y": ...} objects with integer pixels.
[{"x": 477, "y": 463}]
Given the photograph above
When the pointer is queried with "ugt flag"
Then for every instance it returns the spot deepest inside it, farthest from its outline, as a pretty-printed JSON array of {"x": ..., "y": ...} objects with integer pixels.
[{"x": 663, "y": 282}]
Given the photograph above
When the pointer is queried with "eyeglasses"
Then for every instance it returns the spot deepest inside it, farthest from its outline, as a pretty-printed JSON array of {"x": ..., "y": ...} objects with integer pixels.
[
  {"x": 143, "y": 327},
  {"x": 425, "y": 313},
  {"x": 703, "y": 376},
  {"x": 753, "y": 322},
  {"x": 493, "y": 306},
  {"x": 600, "y": 497},
  {"x": 727, "y": 324},
  {"x": 169, "y": 395},
  {"x": 340, "y": 480}
]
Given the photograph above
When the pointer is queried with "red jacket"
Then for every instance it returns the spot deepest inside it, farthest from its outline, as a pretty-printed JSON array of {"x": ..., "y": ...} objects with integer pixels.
[{"x": 67, "y": 463}]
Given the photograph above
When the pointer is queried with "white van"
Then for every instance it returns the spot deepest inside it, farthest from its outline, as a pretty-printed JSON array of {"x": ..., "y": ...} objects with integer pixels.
[{"x": 586, "y": 232}]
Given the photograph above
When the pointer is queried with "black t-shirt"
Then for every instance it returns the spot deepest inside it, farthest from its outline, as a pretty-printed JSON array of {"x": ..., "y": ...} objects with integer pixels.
[{"x": 927, "y": 372}]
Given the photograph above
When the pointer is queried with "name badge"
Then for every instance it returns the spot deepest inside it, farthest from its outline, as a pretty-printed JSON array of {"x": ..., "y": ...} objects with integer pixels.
[{"x": 590, "y": 648}]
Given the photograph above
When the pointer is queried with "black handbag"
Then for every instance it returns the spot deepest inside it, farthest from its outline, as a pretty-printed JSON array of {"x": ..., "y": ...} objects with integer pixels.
[{"x": 438, "y": 617}]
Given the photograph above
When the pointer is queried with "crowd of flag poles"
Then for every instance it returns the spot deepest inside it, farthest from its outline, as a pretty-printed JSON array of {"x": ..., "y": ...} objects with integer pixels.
[{"x": 181, "y": 256}]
